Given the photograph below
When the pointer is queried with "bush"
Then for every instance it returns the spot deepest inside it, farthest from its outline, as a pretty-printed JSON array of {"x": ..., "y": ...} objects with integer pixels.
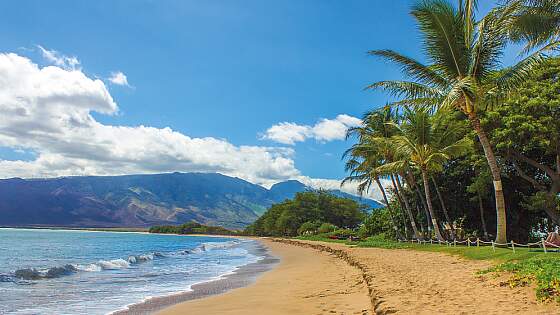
[
  {"x": 326, "y": 228},
  {"x": 343, "y": 233},
  {"x": 309, "y": 227},
  {"x": 378, "y": 222}
]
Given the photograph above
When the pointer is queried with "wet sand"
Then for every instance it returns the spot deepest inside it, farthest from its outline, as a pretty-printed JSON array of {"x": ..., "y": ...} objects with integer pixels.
[
  {"x": 305, "y": 281},
  {"x": 241, "y": 277},
  {"x": 328, "y": 278}
]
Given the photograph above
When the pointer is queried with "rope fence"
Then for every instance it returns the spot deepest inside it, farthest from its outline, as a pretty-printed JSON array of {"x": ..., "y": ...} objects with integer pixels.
[{"x": 478, "y": 242}]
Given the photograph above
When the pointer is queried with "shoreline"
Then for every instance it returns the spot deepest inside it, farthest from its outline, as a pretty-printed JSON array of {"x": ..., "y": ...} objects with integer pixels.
[
  {"x": 319, "y": 278},
  {"x": 304, "y": 282},
  {"x": 242, "y": 276}
]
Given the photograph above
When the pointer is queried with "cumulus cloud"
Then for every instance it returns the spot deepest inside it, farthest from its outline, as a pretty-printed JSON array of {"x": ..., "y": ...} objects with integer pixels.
[
  {"x": 48, "y": 111},
  {"x": 58, "y": 59},
  {"x": 118, "y": 78},
  {"x": 324, "y": 130}
]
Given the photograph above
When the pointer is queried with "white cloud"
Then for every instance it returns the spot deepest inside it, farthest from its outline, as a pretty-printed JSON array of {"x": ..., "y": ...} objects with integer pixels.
[
  {"x": 349, "y": 187},
  {"x": 324, "y": 130},
  {"x": 48, "y": 111},
  {"x": 58, "y": 59},
  {"x": 118, "y": 78}
]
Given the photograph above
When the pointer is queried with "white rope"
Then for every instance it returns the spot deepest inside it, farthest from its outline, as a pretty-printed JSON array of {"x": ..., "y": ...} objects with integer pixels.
[{"x": 511, "y": 245}]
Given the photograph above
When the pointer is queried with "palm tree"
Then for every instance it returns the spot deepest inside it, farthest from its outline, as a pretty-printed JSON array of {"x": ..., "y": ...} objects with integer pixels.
[
  {"x": 363, "y": 165},
  {"x": 464, "y": 57},
  {"x": 375, "y": 134},
  {"x": 424, "y": 143},
  {"x": 535, "y": 23}
]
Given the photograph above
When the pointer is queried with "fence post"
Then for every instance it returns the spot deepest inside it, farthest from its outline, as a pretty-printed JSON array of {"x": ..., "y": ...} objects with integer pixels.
[
  {"x": 454, "y": 243},
  {"x": 431, "y": 241},
  {"x": 493, "y": 248},
  {"x": 543, "y": 245},
  {"x": 513, "y": 246},
  {"x": 468, "y": 242},
  {"x": 477, "y": 242}
]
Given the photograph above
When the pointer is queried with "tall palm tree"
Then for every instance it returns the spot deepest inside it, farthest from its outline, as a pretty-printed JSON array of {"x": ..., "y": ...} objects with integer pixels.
[
  {"x": 536, "y": 23},
  {"x": 464, "y": 56},
  {"x": 425, "y": 144}
]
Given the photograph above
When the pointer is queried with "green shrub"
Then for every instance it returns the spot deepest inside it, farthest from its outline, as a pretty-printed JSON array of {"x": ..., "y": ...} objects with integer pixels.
[
  {"x": 343, "y": 233},
  {"x": 309, "y": 228},
  {"x": 326, "y": 228}
]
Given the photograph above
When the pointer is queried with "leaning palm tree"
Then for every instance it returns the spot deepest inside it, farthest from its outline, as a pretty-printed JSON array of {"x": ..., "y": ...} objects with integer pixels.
[
  {"x": 464, "y": 56},
  {"x": 363, "y": 165},
  {"x": 375, "y": 134},
  {"x": 536, "y": 23},
  {"x": 423, "y": 143}
]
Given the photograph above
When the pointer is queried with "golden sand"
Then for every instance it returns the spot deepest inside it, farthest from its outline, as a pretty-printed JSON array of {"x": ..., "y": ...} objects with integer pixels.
[{"x": 327, "y": 278}]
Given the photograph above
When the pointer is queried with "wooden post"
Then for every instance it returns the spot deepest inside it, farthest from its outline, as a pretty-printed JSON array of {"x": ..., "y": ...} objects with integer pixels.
[
  {"x": 513, "y": 246},
  {"x": 477, "y": 242},
  {"x": 543, "y": 245},
  {"x": 454, "y": 243},
  {"x": 431, "y": 241},
  {"x": 468, "y": 242},
  {"x": 493, "y": 248}
]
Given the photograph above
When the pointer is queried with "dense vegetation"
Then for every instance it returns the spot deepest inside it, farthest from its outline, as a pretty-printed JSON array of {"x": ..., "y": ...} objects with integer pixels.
[
  {"x": 191, "y": 228},
  {"x": 309, "y": 212},
  {"x": 461, "y": 135}
]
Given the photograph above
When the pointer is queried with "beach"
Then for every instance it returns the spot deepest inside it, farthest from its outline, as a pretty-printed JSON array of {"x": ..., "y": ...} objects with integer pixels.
[
  {"x": 329, "y": 278},
  {"x": 304, "y": 282}
]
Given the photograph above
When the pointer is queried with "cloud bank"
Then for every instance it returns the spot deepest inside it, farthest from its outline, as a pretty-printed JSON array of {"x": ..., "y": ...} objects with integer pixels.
[
  {"x": 324, "y": 130},
  {"x": 47, "y": 112}
]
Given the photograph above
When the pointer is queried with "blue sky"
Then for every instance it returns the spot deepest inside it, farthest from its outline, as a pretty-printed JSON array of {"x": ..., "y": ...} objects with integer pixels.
[{"x": 222, "y": 69}]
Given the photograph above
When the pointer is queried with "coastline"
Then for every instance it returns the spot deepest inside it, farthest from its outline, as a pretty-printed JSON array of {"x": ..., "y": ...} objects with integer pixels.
[
  {"x": 304, "y": 282},
  {"x": 240, "y": 277},
  {"x": 322, "y": 278}
]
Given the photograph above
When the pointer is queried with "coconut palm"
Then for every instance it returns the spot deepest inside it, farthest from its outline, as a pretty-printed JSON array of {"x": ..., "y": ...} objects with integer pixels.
[
  {"x": 363, "y": 165},
  {"x": 376, "y": 134},
  {"x": 464, "y": 56},
  {"x": 535, "y": 23},
  {"x": 424, "y": 143}
]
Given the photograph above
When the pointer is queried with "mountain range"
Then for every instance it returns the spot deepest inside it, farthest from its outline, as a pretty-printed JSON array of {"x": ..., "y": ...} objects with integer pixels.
[{"x": 142, "y": 200}]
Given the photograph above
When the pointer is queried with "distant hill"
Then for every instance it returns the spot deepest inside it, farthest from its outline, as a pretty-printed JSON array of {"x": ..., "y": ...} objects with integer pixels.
[{"x": 141, "y": 200}]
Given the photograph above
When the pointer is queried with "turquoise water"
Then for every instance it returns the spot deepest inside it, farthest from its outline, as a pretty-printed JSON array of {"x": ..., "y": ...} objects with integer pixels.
[{"x": 81, "y": 272}]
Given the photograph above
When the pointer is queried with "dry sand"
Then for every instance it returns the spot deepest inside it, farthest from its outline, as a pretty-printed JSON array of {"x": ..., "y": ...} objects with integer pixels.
[
  {"x": 304, "y": 282},
  {"x": 323, "y": 278}
]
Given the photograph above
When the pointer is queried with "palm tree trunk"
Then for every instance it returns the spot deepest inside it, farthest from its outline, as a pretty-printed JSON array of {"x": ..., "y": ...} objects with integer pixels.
[
  {"x": 408, "y": 209},
  {"x": 401, "y": 203},
  {"x": 430, "y": 207},
  {"x": 443, "y": 207},
  {"x": 388, "y": 207},
  {"x": 481, "y": 207},
  {"x": 412, "y": 183},
  {"x": 501, "y": 236}
]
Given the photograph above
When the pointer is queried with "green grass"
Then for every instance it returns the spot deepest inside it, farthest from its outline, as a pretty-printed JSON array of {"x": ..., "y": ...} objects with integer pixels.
[{"x": 525, "y": 266}]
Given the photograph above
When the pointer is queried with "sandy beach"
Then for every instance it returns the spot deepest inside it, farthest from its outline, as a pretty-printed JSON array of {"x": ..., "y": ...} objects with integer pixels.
[
  {"x": 304, "y": 282},
  {"x": 327, "y": 278}
]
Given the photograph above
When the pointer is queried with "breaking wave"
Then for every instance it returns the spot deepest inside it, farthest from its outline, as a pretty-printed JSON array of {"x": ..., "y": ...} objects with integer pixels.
[
  {"x": 55, "y": 272},
  {"x": 68, "y": 269}
]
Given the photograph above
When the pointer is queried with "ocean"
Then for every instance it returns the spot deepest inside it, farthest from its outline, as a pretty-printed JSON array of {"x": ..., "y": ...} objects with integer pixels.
[{"x": 87, "y": 272}]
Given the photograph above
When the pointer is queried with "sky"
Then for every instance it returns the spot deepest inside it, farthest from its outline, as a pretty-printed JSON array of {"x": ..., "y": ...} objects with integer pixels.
[{"x": 261, "y": 90}]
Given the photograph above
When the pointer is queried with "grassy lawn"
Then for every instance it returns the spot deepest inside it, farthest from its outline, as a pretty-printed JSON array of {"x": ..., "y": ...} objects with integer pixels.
[{"x": 526, "y": 266}]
